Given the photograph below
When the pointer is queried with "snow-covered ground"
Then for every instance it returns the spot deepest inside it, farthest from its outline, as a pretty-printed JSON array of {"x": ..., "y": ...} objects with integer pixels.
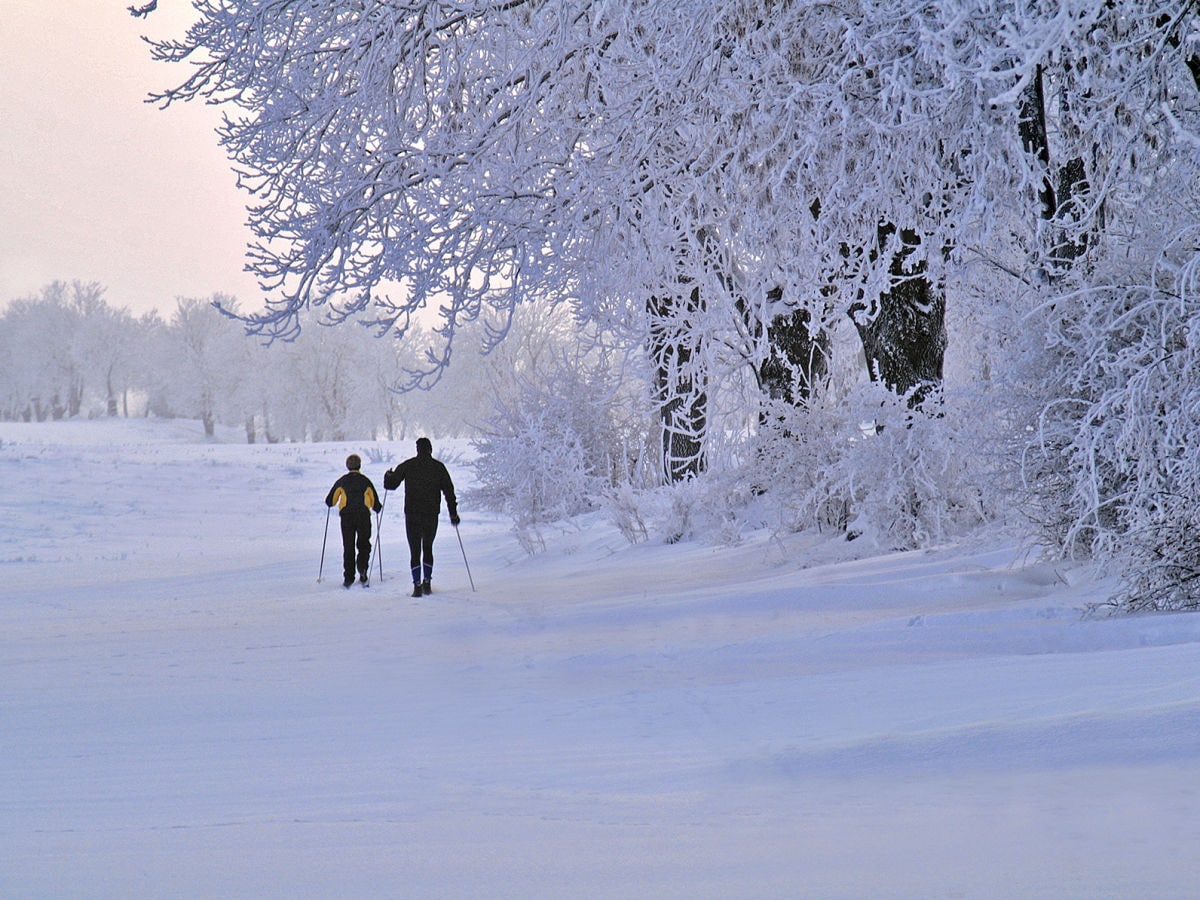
[{"x": 185, "y": 711}]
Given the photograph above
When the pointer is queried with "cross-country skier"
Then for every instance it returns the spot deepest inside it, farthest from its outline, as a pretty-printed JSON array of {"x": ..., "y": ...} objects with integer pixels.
[
  {"x": 354, "y": 495},
  {"x": 425, "y": 481}
]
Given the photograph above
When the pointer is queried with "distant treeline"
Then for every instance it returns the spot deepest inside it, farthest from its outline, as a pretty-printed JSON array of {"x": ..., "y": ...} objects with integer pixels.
[{"x": 67, "y": 352}]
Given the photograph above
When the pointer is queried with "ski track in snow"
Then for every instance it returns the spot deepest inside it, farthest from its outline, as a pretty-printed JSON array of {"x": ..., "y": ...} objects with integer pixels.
[{"x": 185, "y": 711}]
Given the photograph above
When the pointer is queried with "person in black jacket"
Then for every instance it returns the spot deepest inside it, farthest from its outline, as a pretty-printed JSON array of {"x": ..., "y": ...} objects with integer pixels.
[
  {"x": 425, "y": 480},
  {"x": 354, "y": 496}
]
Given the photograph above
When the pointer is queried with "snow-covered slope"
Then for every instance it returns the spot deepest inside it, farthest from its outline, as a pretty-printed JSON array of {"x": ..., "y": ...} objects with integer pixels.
[{"x": 185, "y": 711}]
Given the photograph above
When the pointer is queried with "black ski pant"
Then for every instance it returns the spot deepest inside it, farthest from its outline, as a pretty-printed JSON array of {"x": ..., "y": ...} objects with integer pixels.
[
  {"x": 421, "y": 529},
  {"x": 356, "y": 535}
]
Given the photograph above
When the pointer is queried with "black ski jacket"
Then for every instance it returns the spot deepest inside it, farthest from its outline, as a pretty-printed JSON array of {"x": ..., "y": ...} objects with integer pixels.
[
  {"x": 425, "y": 481},
  {"x": 353, "y": 492}
]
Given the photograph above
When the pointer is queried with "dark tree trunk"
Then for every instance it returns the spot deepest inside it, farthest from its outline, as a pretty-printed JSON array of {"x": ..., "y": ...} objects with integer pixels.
[
  {"x": 1072, "y": 242},
  {"x": 1175, "y": 41},
  {"x": 681, "y": 390},
  {"x": 1032, "y": 128},
  {"x": 798, "y": 359},
  {"x": 904, "y": 334},
  {"x": 1062, "y": 192}
]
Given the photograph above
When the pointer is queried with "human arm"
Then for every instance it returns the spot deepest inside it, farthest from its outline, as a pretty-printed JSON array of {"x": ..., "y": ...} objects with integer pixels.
[
  {"x": 393, "y": 477},
  {"x": 451, "y": 499}
]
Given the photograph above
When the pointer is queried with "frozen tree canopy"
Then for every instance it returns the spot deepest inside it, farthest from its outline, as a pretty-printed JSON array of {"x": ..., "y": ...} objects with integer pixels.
[{"x": 774, "y": 202}]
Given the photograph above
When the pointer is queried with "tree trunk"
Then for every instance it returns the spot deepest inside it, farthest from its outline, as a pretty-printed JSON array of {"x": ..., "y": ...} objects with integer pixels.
[
  {"x": 1061, "y": 191},
  {"x": 1072, "y": 242},
  {"x": 271, "y": 438},
  {"x": 798, "y": 359},
  {"x": 112, "y": 408},
  {"x": 904, "y": 333},
  {"x": 75, "y": 397},
  {"x": 681, "y": 390},
  {"x": 210, "y": 424}
]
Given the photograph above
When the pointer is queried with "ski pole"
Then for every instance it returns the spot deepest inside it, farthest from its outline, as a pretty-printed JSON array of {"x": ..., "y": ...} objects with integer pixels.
[
  {"x": 379, "y": 533},
  {"x": 464, "y": 553},
  {"x": 321, "y": 570}
]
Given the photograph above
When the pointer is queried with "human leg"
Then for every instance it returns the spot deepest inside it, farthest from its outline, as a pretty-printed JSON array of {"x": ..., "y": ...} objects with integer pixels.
[
  {"x": 412, "y": 529},
  {"x": 428, "y": 533},
  {"x": 364, "y": 544},
  {"x": 349, "y": 537}
]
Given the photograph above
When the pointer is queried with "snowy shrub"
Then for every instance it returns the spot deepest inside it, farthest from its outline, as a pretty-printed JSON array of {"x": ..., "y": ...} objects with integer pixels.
[
  {"x": 532, "y": 461},
  {"x": 530, "y": 538},
  {"x": 559, "y": 441},
  {"x": 1113, "y": 469},
  {"x": 627, "y": 514},
  {"x": 688, "y": 499},
  {"x": 870, "y": 467},
  {"x": 1161, "y": 569}
]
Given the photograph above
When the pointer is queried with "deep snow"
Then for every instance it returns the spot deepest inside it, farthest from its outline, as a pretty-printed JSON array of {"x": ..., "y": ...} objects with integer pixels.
[{"x": 185, "y": 711}]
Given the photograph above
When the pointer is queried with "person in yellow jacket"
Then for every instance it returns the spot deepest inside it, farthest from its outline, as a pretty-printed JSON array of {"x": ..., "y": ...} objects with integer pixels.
[{"x": 354, "y": 496}]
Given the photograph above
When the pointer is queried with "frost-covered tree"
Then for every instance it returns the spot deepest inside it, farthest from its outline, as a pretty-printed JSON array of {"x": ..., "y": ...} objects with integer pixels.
[
  {"x": 747, "y": 190},
  {"x": 403, "y": 163},
  {"x": 26, "y": 379},
  {"x": 1111, "y": 460},
  {"x": 565, "y": 432},
  {"x": 110, "y": 343},
  {"x": 154, "y": 367},
  {"x": 55, "y": 337},
  {"x": 384, "y": 409},
  {"x": 12, "y": 399},
  {"x": 68, "y": 352},
  {"x": 327, "y": 370},
  {"x": 1113, "y": 471},
  {"x": 209, "y": 358}
]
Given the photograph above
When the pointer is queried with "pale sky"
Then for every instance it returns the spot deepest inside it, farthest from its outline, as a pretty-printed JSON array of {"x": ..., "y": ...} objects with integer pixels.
[{"x": 96, "y": 184}]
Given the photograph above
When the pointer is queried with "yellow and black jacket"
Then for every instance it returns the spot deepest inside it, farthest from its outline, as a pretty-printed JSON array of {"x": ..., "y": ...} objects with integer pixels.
[{"x": 353, "y": 492}]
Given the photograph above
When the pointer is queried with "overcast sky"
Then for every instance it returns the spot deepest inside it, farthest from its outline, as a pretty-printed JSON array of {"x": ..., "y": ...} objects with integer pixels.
[{"x": 96, "y": 184}]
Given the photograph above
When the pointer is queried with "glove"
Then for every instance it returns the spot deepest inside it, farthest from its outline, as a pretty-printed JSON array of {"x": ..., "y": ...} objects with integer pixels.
[{"x": 454, "y": 519}]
